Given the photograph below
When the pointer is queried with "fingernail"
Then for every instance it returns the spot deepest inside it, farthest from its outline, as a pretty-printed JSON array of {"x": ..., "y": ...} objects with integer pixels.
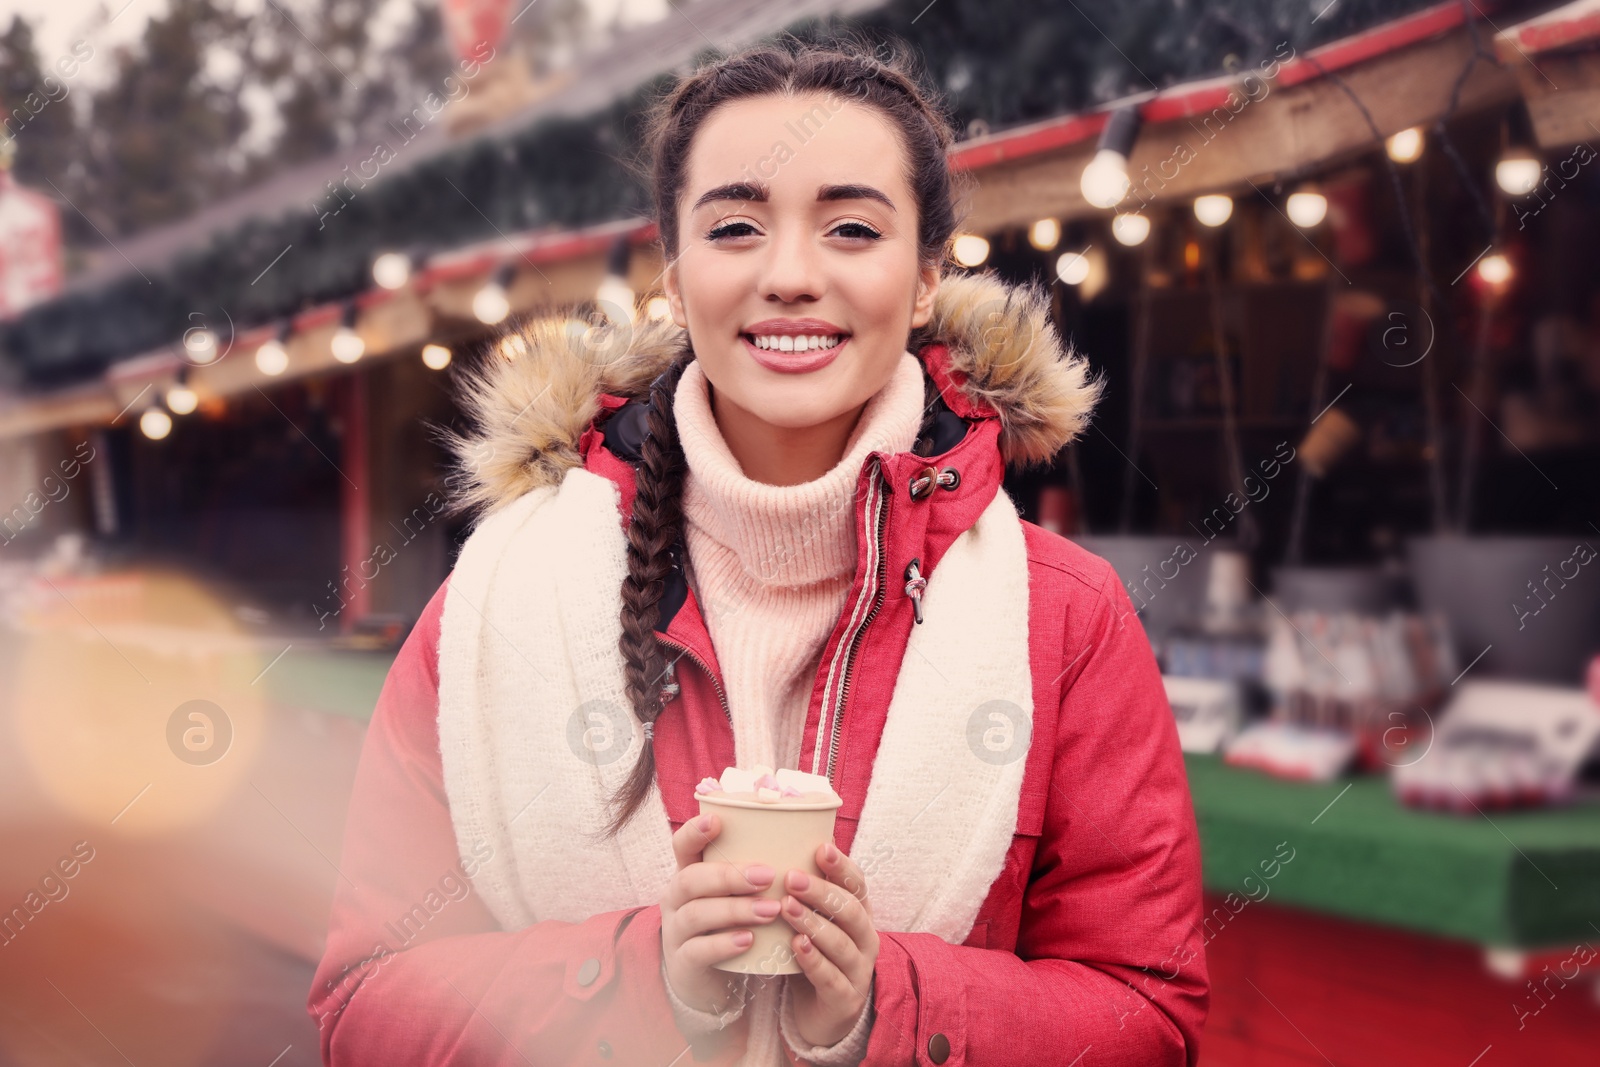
[
  {"x": 799, "y": 880},
  {"x": 743, "y": 938},
  {"x": 795, "y": 907},
  {"x": 703, "y": 823},
  {"x": 766, "y": 909},
  {"x": 758, "y": 874},
  {"x": 831, "y": 853},
  {"x": 805, "y": 944}
]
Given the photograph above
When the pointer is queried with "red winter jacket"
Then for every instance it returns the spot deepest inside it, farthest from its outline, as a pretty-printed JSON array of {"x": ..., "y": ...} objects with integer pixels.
[{"x": 1088, "y": 941}]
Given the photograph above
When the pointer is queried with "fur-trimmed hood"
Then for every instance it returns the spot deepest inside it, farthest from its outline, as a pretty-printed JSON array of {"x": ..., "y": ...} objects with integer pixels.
[{"x": 534, "y": 398}]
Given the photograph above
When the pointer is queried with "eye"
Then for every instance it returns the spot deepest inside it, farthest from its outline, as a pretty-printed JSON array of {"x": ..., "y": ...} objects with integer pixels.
[
  {"x": 727, "y": 230},
  {"x": 862, "y": 231}
]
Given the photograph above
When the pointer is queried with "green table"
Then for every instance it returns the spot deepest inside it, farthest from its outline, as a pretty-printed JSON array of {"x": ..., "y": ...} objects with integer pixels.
[{"x": 1505, "y": 879}]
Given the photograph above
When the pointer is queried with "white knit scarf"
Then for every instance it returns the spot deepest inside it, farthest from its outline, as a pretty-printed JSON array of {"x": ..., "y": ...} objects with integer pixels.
[{"x": 535, "y": 731}]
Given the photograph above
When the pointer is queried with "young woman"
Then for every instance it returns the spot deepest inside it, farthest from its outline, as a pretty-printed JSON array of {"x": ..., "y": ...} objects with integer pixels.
[{"x": 772, "y": 531}]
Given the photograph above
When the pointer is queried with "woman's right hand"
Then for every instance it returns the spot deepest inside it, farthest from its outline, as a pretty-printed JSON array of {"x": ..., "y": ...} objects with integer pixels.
[{"x": 702, "y": 911}]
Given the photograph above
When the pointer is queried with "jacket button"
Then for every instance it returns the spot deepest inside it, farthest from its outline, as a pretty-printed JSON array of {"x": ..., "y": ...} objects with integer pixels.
[
  {"x": 588, "y": 972},
  {"x": 604, "y": 1050},
  {"x": 938, "y": 1048}
]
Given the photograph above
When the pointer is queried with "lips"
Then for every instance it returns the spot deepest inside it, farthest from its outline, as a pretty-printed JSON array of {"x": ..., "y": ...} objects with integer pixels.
[
  {"x": 801, "y": 362},
  {"x": 811, "y": 359}
]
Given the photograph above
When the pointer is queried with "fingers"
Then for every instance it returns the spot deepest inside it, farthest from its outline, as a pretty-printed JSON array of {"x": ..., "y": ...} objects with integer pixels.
[
  {"x": 838, "y": 906},
  {"x": 826, "y": 977},
  {"x": 823, "y": 935},
  {"x": 709, "y": 949},
  {"x": 716, "y": 880},
  {"x": 707, "y": 914},
  {"x": 690, "y": 841},
  {"x": 840, "y": 869}
]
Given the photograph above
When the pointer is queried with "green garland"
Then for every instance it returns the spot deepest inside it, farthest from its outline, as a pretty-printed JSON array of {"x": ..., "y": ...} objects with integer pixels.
[{"x": 1001, "y": 63}]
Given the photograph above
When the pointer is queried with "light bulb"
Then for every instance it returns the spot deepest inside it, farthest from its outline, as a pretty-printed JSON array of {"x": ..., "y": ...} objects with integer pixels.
[
  {"x": 512, "y": 345},
  {"x": 1130, "y": 228},
  {"x": 155, "y": 424},
  {"x": 435, "y": 357},
  {"x": 1306, "y": 208},
  {"x": 1405, "y": 146},
  {"x": 200, "y": 345},
  {"x": 1495, "y": 269},
  {"x": 970, "y": 249},
  {"x": 1213, "y": 209},
  {"x": 181, "y": 400},
  {"x": 391, "y": 270},
  {"x": 1105, "y": 180},
  {"x": 272, "y": 359},
  {"x": 347, "y": 345},
  {"x": 490, "y": 304},
  {"x": 1518, "y": 174},
  {"x": 615, "y": 299},
  {"x": 657, "y": 307},
  {"x": 1073, "y": 267},
  {"x": 1044, "y": 234}
]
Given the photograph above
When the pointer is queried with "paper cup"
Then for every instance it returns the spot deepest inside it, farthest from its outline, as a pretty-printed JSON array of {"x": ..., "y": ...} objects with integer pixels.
[{"x": 783, "y": 835}]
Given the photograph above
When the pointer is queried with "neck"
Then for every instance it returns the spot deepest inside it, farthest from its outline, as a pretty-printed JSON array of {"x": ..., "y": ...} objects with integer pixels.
[{"x": 782, "y": 455}]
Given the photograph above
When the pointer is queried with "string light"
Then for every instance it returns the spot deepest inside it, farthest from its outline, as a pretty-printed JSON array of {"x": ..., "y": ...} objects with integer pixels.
[
  {"x": 1405, "y": 146},
  {"x": 1105, "y": 180},
  {"x": 435, "y": 357},
  {"x": 181, "y": 399},
  {"x": 392, "y": 270},
  {"x": 155, "y": 423},
  {"x": 1213, "y": 209},
  {"x": 200, "y": 346},
  {"x": 491, "y": 304},
  {"x": 1307, "y": 207},
  {"x": 1495, "y": 269},
  {"x": 1045, "y": 234},
  {"x": 1518, "y": 171},
  {"x": 272, "y": 358},
  {"x": 1073, "y": 267},
  {"x": 347, "y": 344},
  {"x": 658, "y": 308},
  {"x": 1130, "y": 228},
  {"x": 970, "y": 249},
  {"x": 615, "y": 297}
]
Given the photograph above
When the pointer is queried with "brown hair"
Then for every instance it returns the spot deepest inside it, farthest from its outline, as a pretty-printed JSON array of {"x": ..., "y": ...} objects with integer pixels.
[{"x": 842, "y": 65}]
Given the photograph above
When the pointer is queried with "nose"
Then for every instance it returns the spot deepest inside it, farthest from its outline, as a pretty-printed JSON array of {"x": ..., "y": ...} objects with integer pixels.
[{"x": 791, "y": 271}]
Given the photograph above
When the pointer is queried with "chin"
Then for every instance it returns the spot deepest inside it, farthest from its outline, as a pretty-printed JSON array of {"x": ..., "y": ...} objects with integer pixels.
[{"x": 794, "y": 406}]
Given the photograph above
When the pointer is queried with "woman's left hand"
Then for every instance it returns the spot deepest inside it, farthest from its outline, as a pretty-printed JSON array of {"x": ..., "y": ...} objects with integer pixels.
[{"x": 836, "y": 946}]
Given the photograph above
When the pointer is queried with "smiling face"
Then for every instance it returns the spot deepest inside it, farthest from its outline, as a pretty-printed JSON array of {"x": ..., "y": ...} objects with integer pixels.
[{"x": 791, "y": 241}]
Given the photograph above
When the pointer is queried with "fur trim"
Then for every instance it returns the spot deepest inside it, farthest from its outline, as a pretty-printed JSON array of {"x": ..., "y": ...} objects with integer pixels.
[
  {"x": 1004, "y": 342},
  {"x": 539, "y": 390}
]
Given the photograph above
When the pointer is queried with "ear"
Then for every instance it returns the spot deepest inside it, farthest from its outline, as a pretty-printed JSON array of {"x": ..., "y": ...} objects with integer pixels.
[
  {"x": 669, "y": 288},
  {"x": 927, "y": 290}
]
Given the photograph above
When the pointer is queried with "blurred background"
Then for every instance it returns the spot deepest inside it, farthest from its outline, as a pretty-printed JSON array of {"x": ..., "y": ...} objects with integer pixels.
[{"x": 1337, "y": 260}]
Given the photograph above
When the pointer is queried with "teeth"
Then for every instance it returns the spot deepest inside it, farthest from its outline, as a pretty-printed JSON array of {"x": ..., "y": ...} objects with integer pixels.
[{"x": 791, "y": 343}]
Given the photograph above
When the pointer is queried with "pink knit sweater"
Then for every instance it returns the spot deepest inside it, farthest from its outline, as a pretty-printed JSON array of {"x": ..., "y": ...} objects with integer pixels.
[{"x": 771, "y": 567}]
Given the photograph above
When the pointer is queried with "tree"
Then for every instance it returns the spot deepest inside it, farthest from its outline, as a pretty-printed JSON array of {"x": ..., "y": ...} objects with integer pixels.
[
  {"x": 36, "y": 113},
  {"x": 164, "y": 132}
]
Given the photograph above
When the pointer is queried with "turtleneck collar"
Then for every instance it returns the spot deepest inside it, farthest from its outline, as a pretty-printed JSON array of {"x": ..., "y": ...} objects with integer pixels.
[{"x": 788, "y": 535}]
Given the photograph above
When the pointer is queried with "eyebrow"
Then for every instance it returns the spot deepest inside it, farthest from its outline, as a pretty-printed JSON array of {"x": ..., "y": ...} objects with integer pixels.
[{"x": 757, "y": 192}]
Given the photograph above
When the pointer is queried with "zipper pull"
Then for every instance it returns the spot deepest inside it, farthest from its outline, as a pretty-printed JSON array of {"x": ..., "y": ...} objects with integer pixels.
[
  {"x": 670, "y": 688},
  {"x": 915, "y": 584}
]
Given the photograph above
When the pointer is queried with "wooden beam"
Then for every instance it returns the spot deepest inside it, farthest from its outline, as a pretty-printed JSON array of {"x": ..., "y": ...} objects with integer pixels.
[{"x": 1281, "y": 131}]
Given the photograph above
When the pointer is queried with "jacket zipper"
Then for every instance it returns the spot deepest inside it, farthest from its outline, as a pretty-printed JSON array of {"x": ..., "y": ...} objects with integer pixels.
[
  {"x": 662, "y": 638},
  {"x": 881, "y": 583}
]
